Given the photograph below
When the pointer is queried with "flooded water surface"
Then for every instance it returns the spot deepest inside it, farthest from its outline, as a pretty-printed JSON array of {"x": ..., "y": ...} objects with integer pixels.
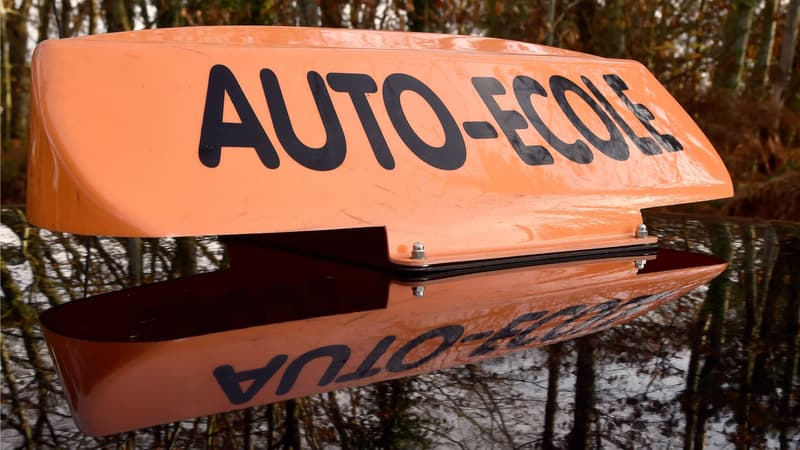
[{"x": 618, "y": 353}]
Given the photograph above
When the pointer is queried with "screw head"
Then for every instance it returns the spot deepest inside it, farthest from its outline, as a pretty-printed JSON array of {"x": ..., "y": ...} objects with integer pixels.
[
  {"x": 641, "y": 231},
  {"x": 418, "y": 291},
  {"x": 418, "y": 251}
]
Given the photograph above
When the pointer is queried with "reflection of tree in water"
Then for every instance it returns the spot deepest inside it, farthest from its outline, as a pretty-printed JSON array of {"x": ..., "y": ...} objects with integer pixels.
[
  {"x": 743, "y": 367},
  {"x": 701, "y": 399},
  {"x": 717, "y": 366}
]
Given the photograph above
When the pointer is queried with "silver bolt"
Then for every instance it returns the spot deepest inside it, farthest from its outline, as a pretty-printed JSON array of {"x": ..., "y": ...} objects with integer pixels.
[
  {"x": 418, "y": 251},
  {"x": 641, "y": 231},
  {"x": 418, "y": 291},
  {"x": 639, "y": 263}
]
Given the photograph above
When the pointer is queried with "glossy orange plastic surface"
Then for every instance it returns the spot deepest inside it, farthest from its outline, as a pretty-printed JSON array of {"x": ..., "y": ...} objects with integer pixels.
[
  {"x": 128, "y": 360},
  {"x": 478, "y": 148}
]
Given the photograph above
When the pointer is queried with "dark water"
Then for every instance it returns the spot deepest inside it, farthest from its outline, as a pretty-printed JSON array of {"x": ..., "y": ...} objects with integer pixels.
[{"x": 716, "y": 368}]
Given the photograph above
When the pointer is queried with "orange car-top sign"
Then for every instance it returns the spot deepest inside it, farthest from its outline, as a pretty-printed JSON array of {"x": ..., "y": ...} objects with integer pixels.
[{"x": 477, "y": 147}]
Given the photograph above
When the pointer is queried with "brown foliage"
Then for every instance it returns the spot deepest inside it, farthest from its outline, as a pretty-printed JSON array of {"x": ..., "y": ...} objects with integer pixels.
[
  {"x": 753, "y": 137},
  {"x": 759, "y": 143},
  {"x": 778, "y": 198}
]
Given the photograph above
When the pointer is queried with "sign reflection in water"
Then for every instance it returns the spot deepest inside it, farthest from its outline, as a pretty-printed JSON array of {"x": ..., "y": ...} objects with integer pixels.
[{"x": 718, "y": 365}]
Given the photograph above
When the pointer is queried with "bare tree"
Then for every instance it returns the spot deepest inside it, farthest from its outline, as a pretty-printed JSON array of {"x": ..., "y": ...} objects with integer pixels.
[{"x": 788, "y": 49}]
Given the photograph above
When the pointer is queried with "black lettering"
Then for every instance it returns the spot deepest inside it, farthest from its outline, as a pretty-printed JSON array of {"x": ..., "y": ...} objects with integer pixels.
[
  {"x": 339, "y": 355},
  {"x": 452, "y": 154},
  {"x": 358, "y": 85},
  {"x": 642, "y": 113},
  {"x": 633, "y": 307},
  {"x": 647, "y": 145},
  {"x": 477, "y": 336},
  {"x": 229, "y": 380},
  {"x": 603, "y": 310},
  {"x": 479, "y": 130},
  {"x": 327, "y": 157},
  {"x": 524, "y": 87},
  {"x": 519, "y": 340},
  {"x": 366, "y": 369},
  {"x": 615, "y": 147},
  {"x": 596, "y": 313},
  {"x": 506, "y": 332},
  {"x": 449, "y": 334},
  {"x": 215, "y": 134},
  {"x": 510, "y": 121}
]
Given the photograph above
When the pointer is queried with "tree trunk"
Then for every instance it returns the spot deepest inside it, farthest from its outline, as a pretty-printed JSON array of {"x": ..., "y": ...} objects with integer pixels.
[
  {"x": 612, "y": 44},
  {"x": 551, "y": 407},
  {"x": 791, "y": 101},
  {"x": 789, "y": 263},
  {"x": 45, "y": 8},
  {"x": 20, "y": 79},
  {"x": 66, "y": 19},
  {"x": 168, "y": 13},
  {"x": 292, "y": 437},
  {"x": 148, "y": 23},
  {"x": 750, "y": 343},
  {"x": 764, "y": 59},
  {"x": 735, "y": 34},
  {"x": 703, "y": 385},
  {"x": 135, "y": 261},
  {"x": 270, "y": 415},
  {"x": 92, "y": 16},
  {"x": 335, "y": 415},
  {"x": 331, "y": 13},
  {"x": 584, "y": 417},
  {"x": 117, "y": 18},
  {"x": 423, "y": 13},
  {"x": 5, "y": 128},
  {"x": 585, "y": 11},
  {"x": 787, "y": 52},
  {"x": 551, "y": 22},
  {"x": 310, "y": 15},
  {"x": 185, "y": 257},
  {"x": 247, "y": 432}
]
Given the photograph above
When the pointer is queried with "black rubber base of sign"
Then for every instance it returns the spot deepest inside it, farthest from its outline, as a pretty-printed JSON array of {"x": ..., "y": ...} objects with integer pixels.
[
  {"x": 366, "y": 247},
  {"x": 466, "y": 267}
]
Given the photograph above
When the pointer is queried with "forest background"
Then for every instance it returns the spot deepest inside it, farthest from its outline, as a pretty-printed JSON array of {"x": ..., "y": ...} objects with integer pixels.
[{"x": 732, "y": 64}]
